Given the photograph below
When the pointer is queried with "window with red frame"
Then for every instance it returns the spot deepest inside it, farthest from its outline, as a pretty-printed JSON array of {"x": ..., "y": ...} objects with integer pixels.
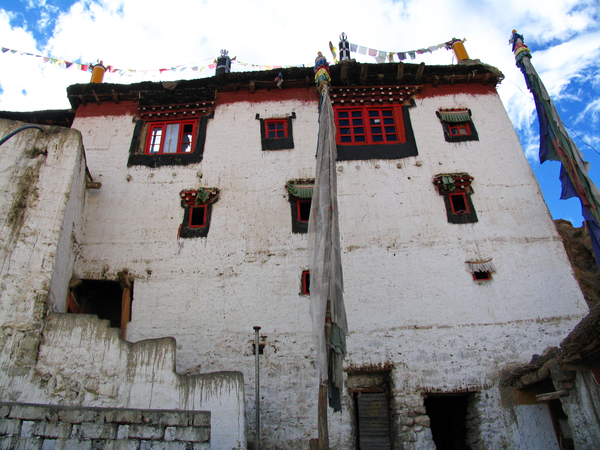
[
  {"x": 305, "y": 282},
  {"x": 459, "y": 203},
  {"x": 198, "y": 216},
  {"x": 369, "y": 125},
  {"x": 459, "y": 129},
  {"x": 276, "y": 128},
  {"x": 482, "y": 276},
  {"x": 303, "y": 210},
  {"x": 175, "y": 137}
]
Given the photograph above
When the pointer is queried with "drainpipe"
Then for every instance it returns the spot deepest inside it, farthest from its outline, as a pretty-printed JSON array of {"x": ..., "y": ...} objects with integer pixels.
[
  {"x": 18, "y": 130},
  {"x": 256, "y": 388}
]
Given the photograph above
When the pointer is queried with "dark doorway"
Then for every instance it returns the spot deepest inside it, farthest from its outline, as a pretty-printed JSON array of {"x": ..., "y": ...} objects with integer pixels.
[
  {"x": 100, "y": 297},
  {"x": 448, "y": 415}
]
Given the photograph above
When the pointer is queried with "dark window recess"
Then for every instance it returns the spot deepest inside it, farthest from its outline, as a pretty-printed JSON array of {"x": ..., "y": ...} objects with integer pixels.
[
  {"x": 457, "y": 124},
  {"x": 168, "y": 143},
  {"x": 300, "y": 197},
  {"x": 448, "y": 416},
  {"x": 374, "y": 132},
  {"x": 482, "y": 276},
  {"x": 100, "y": 297},
  {"x": 197, "y": 206},
  {"x": 456, "y": 190},
  {"x": 560, "y": 420},
  {"x": 303, "y": 210},
  {"x": 198, "y": 216},
  {"x": 275, "y": 133},
  {"x": 305, "y": 282}
]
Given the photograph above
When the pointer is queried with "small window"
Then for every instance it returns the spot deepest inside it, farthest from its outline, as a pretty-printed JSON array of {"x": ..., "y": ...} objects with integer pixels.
[
  {"x": 276, "y": 128},
  {"x": 482, "y": 276},
  {"x": 300, "y": 197},
  {"x": 459, "y": 204},
  {"x": 276, "y": 133},
  {"x": 305, "y": 282},
  {"x": 457, "y": 124},
  {"x": 197, "y": 206},
  {"x": 198, "y": 216},
  {"x": 456, "y": 190},
  {"x": 170, "y": 137},
  {"x": 303, "y": 210}
]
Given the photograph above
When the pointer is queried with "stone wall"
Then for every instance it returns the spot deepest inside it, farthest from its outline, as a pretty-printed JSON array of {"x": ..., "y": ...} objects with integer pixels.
[{"x": 51, "y": 427}]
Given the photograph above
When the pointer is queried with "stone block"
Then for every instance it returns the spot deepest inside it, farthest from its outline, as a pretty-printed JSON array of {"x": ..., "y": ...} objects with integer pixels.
[
  {"x": 409, "y": 436},
  {"x": 124, "y": 416},
  {"x": 27, "y": 428},
  {"x": 30, "y": 443},
  {"x": 145, "y": 432},
  {"x": 420, "y": 410},
  {"x": 202, "y": 446},
  {"x": 407, "y": 421},
  {"x": 49, "y": 444},
  {"x": 91, "y": 430},
  {"x": 4, "y": 410},
  {"x": 173, "y": 419},
  {"x": 161, "y": 445},
  {"x": 72, "y": 444},
  {"x": 122, "y": 444},
  {"x": 170, "y": 434},
  {"x": 79, "y": 415},
  {"x": 9, "y": 426},
  {"x": 123, "y": 432},
  {"x": 8, "y": 443},
  {"x": 56, "y": 430},
  {"x": 423, "y": 421},
  {"x": 29, "y": 412},
  {"x": 202, "y": 419},
  {"x": 192, "y": 434}
]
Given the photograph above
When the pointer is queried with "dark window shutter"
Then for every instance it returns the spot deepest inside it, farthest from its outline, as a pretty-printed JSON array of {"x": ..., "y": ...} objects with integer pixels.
[{"x": 373, "y": 421}]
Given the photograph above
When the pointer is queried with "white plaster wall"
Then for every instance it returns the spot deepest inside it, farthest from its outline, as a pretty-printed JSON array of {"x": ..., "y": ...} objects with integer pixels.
[{"x": 410, "y": 301}]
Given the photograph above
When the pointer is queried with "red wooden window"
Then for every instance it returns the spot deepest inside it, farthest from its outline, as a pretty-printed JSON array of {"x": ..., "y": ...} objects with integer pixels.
[
  {"x": 306, "y": 282},
  {"x": 459, "y": 204},
  {"x": 303, "y": 210},
  {"x": 170, "y": 137},
  {"x": 276, "y": 128},
  {"x": 368, "y": 125},
  {"x": 198, "y": 216},
  {"x": 482, "y": 276},
  {"x": 459, "y": 129}
]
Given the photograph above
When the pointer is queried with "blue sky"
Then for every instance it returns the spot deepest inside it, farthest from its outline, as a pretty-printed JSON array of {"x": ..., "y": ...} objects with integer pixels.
[{"x": 563, "y": 35}]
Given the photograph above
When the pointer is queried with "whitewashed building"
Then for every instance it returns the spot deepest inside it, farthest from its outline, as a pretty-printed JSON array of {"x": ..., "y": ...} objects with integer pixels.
[{"x": 454, "y": 272}]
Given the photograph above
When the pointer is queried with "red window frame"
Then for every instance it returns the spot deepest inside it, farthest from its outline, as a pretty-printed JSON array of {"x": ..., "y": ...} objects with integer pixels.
[
  {"x": 369, "y": 125},
  {"x": 276, "y": 128},
  {"x": 298, "y": 203},
  {"x": 456, "y": 129},
  {"x": 203, "y": 216},
  {"x": 460, "y": 211},
  {"x": 306, "y": 282},
  {"x": 486, "y": 277},
  {"x": 156, "y": 137}
]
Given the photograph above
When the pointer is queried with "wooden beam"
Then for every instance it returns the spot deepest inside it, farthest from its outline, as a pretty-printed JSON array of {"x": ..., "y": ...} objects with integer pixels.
[
  {"x": 96, "y": 97},
  {"x": 400, "y": 71},
  {"x": 82, "y": 100},
  {"x": 551, "y": 396},
  {"x": 322, "y": 412},
  {"x": 125, "y": 311},
  {"x": 114, "y": 96},
  {"x": 420, "y": 72}
]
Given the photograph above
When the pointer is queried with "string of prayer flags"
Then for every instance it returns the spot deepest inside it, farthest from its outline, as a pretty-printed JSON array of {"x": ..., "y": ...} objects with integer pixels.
[{"x": 381, "y": 56}]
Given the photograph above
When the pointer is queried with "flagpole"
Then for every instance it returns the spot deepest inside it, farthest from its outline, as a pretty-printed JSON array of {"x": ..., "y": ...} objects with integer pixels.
[{"x": 326, "y": 284}]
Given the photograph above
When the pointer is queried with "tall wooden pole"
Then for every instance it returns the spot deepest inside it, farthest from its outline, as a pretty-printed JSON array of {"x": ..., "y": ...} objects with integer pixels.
[{"x": 322, "y": 421}]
